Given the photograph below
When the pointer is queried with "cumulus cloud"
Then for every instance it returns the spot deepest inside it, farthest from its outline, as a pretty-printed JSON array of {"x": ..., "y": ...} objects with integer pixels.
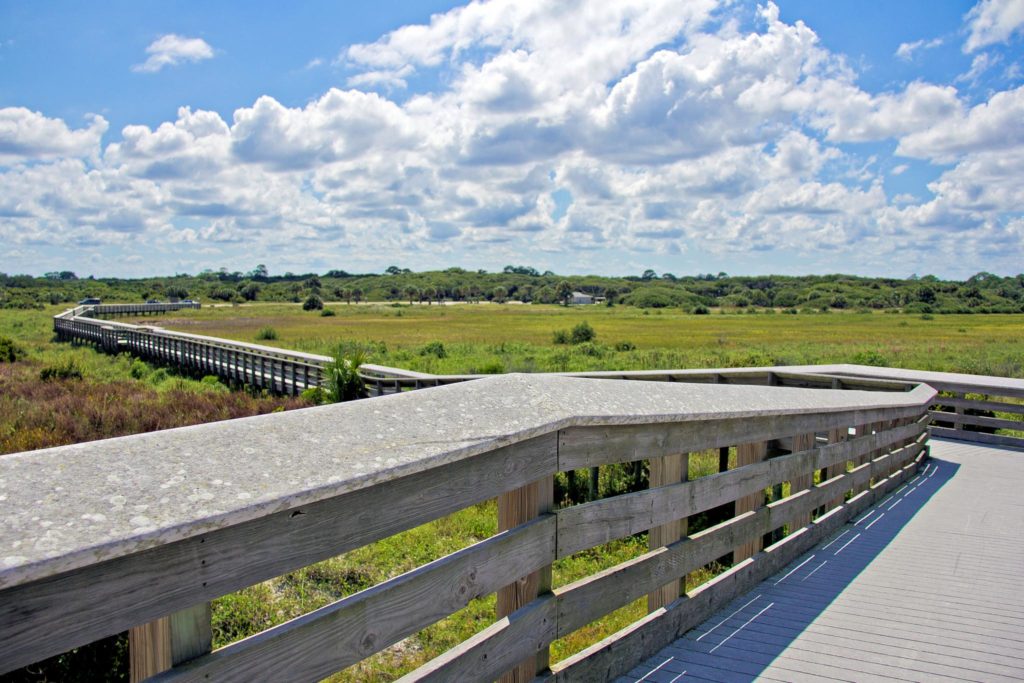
[
  {"x": 906, "y": 50},
  {"x": 27, "y": 135},
  {"x": 172, "y": 50},
  {"x": 672, "y": 127},
  {"x": 993, "y": 21},
  {"x": 992, "y": 125}
]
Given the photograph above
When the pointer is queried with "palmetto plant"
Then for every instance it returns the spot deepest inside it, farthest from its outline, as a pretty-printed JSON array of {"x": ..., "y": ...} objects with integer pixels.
[{"x": 343, "y": 382}]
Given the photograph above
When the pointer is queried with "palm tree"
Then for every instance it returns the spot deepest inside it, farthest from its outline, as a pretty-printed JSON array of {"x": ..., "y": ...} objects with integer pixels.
[{"x": 412, "y": 293}]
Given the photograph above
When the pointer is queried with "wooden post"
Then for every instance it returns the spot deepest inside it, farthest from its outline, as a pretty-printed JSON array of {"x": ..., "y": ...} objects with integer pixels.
[
  {"x": 595, "y": 481},
  {"x": 802, "y": 442},
  {"x": 668, "y": 469},
  {"x": 748, "y": 454},
  {"x": 835, "y": 436},
  {"x": 514, "y": 508},
  {"x": 169, "y": 641}
]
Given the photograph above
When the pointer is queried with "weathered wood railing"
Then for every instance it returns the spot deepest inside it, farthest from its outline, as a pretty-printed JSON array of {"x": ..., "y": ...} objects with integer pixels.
[
  {"x": 278, "y": 370},
  {"x": 144, "y": 531},
  {"x": 966, "y": 409}
]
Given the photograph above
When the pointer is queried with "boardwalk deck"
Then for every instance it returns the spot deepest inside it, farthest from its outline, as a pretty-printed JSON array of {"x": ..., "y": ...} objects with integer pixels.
[{"x": 924, "y": 586}]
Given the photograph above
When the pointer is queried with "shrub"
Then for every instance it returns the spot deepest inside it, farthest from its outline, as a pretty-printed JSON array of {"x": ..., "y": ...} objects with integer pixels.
[
  {"x": 313, "y": 303},
  {"x": 491, "y": 367},
  {"x": 791, "y": 311},
  {"x": 66, "y": 369},
  {"x": 582, "y": 332},
  {"x": 327, "y": 313},
  {"x": 625, "y": 346},
  {"x": 434, "y": 348},
  {"x": 591, "y": 349},
  {"x": 343, "y": 380},
  {"x": 138, "y": 369},
  {"x": 869, "y": 358},
  {"x": 561, "y": 337},
  {"x": 267, "y": 333},
  {"x": 316, "y": 396},
  {"x": 10, "y": 352},
  {"x": 700, "y": 310}
]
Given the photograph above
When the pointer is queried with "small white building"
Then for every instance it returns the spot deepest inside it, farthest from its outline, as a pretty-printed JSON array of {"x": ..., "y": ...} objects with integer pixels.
[{"x": 581, "y": 298}]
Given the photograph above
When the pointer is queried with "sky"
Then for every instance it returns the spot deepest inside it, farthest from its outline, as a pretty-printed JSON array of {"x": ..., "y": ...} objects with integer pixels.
[{"x": 866, "y": 137}]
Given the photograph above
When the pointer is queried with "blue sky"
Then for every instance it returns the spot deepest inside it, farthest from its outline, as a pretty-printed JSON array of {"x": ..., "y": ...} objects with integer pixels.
[{"x": 687, "y": 136}]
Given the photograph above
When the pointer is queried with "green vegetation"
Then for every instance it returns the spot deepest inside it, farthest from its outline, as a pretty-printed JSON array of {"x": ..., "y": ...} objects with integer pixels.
[
  {"x": 487, "y": 339},
  {"x": 981, "y": 293},
  {"x": 119, "y": 395}
]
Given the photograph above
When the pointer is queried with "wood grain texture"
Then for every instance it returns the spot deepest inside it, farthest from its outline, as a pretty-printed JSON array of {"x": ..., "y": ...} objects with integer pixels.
[
  {"x": 669, "y": 469},
  {"x": 113, "y": 596},
  {"x": 749, "y": 454},
  {"x": 618, "y": 653},
  {"x": 157, "y": 646},
  {"x": 333, "y": 637},
  {"x": 496, "y": 649},
  {"x": 581, "y": 447},
  {"x": 516, "y": 507},
  {"x": 591, "y": 524}
]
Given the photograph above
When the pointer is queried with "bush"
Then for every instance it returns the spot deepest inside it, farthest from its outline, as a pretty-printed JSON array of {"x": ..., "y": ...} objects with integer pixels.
[
  {"x": 267, "y": 333},
  {"x": 561, "y": 337},
  {"x": 434, "y": 348},
  {"x": 625, "y": 346},
  {"x": 582, "y": 332},
  {"x": 869, "y": 358},
  {"x": 139, "y": 369},
  {"x": 10, "y": 351},
  {"x": 343, "y": 380},
  {"x": 313, "y": 303},
  {"x": 700, "y": 310},
  {"x": 66, "y": 369},
  {"x": 791, "y": 311},
  {"x": 327, "y": 313},
  {"x": 316, "y": 396}
]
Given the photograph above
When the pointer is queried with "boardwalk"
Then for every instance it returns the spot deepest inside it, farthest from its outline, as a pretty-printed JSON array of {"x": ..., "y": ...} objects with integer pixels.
[{"x": 923, "y": 587}]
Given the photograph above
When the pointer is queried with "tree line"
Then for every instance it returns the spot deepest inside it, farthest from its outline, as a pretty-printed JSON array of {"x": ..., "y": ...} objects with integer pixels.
[{"x": 981, "y": 293}]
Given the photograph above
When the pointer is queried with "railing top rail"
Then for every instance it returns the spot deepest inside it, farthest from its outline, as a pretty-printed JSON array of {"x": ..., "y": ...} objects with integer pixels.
[
  {"x": 68, "y": 507},
  {"x": 956, "y": 381}
]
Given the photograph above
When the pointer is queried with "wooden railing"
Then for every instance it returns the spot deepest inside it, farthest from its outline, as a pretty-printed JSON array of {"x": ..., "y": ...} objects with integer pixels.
[
  {"x": 969, "y": 408},
  {"x": 278, "y": 370},
  {"x": 142, "y": 532}
]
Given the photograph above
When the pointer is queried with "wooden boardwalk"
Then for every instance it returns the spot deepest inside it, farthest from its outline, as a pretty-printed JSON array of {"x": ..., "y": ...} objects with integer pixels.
[{"x": 925, "y": 586}]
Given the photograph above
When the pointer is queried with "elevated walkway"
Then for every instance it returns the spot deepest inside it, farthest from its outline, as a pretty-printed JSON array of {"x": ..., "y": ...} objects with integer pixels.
[{"x": 924, "y": 586}]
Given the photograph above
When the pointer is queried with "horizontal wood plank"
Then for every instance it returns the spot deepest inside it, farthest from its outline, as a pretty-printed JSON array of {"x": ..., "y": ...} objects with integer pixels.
[
  {"x": 581, "y": 447},
  {"x": 331, "y": 638},
  {"x": 53, "y": 615}
]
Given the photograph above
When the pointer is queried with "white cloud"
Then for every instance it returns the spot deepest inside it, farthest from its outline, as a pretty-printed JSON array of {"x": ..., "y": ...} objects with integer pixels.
[
  {"x": 673, "y": 130},
  {"x": 27, "y": 135},
  {"x": 993, "y": 125},
  {"x": 993, "y": 21},
  {"x": 906, "y": 50},
  {"x": 171, "y": 50}
]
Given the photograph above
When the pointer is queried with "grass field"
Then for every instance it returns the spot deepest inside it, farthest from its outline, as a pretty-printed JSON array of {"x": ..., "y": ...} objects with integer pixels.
[
  {"x": 464, "y": 339},
  {"x": 516, "y": 338}
]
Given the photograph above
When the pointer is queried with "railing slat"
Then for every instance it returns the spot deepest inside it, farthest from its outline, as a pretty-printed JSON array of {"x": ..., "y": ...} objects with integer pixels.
[{"x": 333, "y": 637}]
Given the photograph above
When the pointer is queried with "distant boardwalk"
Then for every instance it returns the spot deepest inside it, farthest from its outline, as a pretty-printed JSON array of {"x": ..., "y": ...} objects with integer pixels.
[{"x": 926, "y": 586}]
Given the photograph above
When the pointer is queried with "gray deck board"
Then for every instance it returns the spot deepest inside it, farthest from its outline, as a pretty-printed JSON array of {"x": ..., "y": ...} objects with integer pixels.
[{"x": 923, "y": 587}]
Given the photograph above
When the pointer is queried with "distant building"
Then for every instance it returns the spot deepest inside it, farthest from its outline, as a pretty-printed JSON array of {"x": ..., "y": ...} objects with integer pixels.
[{"x": 581, "y": 298}]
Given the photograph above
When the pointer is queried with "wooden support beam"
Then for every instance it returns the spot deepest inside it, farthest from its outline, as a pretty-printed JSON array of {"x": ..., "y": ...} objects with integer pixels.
[
  {"x": 514, "y": 508},
  {"x": 159, "y": 645},
  {"x": 668, "y": 469},
  {"x": 748, "y": 454},
  {"x": 802, "y": 442}
]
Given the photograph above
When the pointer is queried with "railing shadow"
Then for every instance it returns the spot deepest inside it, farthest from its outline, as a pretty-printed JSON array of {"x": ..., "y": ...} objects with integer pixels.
[{"x": 746, "y": 637}]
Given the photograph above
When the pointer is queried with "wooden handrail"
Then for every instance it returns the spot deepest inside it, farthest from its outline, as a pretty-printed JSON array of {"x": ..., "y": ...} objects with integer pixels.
[{"x": 151, "y": 525}]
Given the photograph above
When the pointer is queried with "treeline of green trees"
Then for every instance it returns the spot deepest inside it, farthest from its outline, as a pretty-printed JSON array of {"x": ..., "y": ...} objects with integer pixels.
[{"x": 981, "y": 293}]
